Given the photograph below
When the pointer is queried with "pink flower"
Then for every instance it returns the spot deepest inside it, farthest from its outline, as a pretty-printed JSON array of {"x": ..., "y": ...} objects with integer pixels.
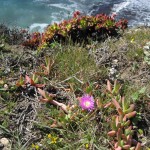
[{"x": 87, "y": 102}]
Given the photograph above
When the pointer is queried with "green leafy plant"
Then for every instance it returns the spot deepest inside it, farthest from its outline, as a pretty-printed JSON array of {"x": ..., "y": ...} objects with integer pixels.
[
  {"x": 136, "y": 95},
  {"x": 121, "y": 125}
]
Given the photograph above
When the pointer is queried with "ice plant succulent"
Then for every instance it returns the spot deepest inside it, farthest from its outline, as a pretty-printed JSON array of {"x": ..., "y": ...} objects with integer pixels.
[
  {"x": 122, "y": 129},
  {"x": 87, "y": 102},
  {"x": 78, "y": 28},
  {"x": 27, "y": 80}
]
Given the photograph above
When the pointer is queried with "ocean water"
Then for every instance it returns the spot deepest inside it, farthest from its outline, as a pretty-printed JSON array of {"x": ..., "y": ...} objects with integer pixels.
[{"x": 37, "y": 14}]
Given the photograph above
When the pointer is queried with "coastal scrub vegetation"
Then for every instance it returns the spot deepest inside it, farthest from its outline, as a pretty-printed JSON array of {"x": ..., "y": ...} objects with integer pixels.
[
  {"x": 76, "y": 95},
  {"x": 79, "y": 28}
]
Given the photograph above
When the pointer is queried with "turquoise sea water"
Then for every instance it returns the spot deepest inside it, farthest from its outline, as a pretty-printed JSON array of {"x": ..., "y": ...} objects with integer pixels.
[
  {"x": 36, "y": 14},
  {"x": 27, "y": 12}
]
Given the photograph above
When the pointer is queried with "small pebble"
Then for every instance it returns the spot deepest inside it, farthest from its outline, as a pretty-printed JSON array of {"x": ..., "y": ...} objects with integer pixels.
[
  {"x": 112, "y": 70},
  {"x": 115, "y": 61},
  {"x": 146, "y": 47},
  {"x": 147, "y": 53},
  {"x": 4, "y": 141},
  {"x": 1, "y": 146}
]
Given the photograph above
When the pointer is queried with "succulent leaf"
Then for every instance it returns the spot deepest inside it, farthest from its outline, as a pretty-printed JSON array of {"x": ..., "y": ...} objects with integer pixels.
[
  {"x": 126, "y": 147},
  {"x": 111, "y": 133},
  {"x": 130, "y": 109},
  {"x": 131, "y": 114},
  {"x": 138, "y": 146},
  {"x": 109, "y": 88}
]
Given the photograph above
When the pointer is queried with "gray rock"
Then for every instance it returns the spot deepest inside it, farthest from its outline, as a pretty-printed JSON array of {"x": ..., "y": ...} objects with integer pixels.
[
  {"x": 146, "y": 47},
  {"x": 1, "y": 146},
  {"x": 115, "y": 61},
  {"x": 5, "y": 143}
]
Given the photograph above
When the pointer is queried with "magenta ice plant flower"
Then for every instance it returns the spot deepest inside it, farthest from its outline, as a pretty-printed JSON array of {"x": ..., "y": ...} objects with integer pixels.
[{"x": 87, "y": 102}]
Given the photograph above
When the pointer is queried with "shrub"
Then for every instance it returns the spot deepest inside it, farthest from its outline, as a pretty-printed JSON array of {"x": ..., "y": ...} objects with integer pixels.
[{"x": 79, "y": 28}]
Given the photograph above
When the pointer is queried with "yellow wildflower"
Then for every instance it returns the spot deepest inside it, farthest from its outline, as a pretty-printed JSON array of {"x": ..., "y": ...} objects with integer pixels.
[
  {"x": 132, "y": 40},
  {"x": 49, "y": 136},
  {"x": 54, "y": 140},
  {"x": 35, "y": 146},
  {"x": 86, "y": 145}
]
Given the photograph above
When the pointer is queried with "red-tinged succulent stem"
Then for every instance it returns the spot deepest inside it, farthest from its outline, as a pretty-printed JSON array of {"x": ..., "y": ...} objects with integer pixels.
[
  {"x": 29, "y": 80},
  {"x": 111, "y": 133},
  {"x": 117, "y": 120},
  {"x": 48, "y": 99},
  {"x": 61, "y": 105},
  {"x": 129, "y": 139},
  {"x": 124, "y": 118},
  {"x": 119, "y": 133},
  {"x": 120, "y": 112},
  {"x": 131, "y": 114},
  {"x": 108, "y": 105},
  {"x": 126, "y": 147},
  {"x": 109, "y": 88},
  {"x": 118, "y": 148},
  {"x": 116, "y": 104},
  {"x": 116, "y": 144},
  {"x": 138, "y": 146}
]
